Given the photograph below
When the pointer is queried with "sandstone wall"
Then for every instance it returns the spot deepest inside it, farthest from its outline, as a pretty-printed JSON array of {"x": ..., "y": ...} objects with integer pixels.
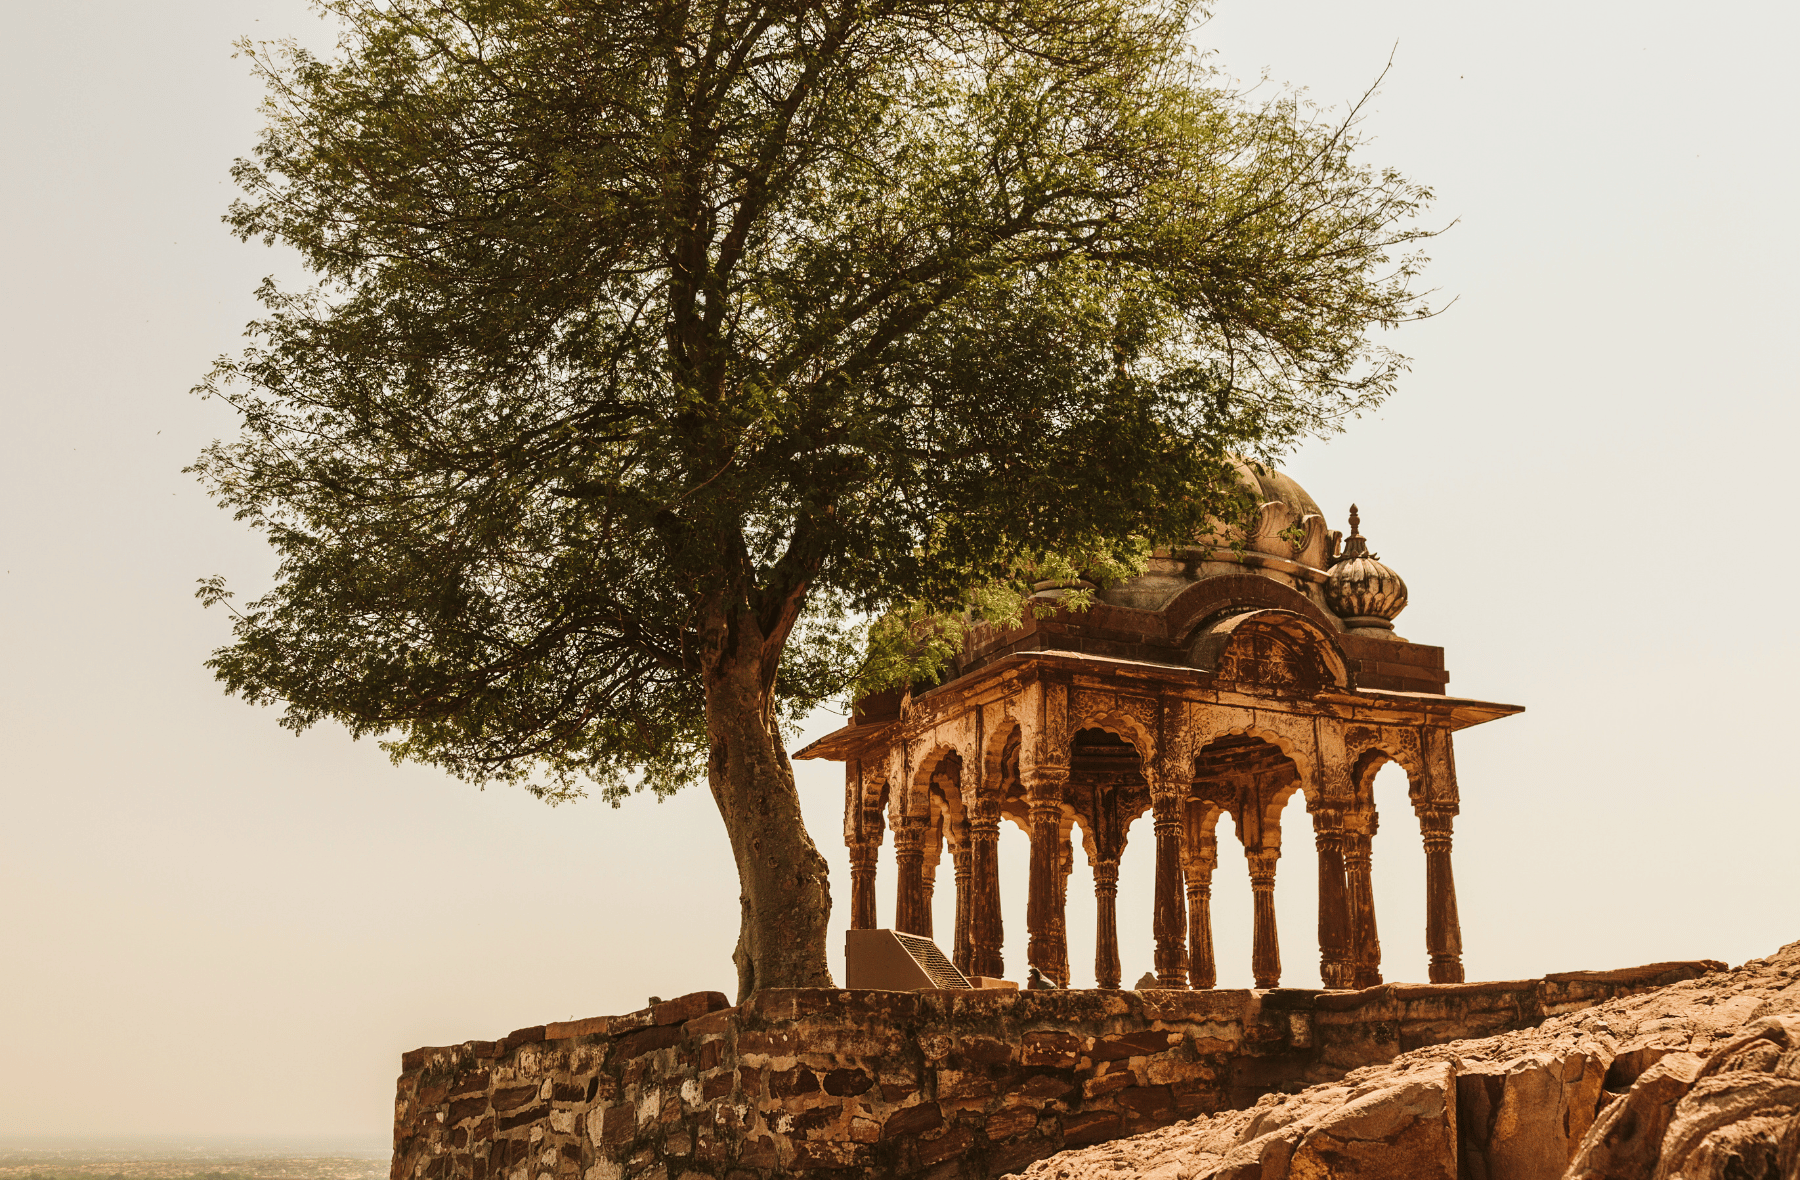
[{"x": 824, "y": 1084}]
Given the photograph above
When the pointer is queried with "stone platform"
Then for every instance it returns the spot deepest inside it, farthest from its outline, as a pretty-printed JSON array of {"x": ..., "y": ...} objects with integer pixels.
[{"x": 826, "y": 1084}]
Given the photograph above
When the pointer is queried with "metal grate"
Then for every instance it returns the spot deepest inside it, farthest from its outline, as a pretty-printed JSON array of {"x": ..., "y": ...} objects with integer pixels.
[{"x": 926, "y": 953}]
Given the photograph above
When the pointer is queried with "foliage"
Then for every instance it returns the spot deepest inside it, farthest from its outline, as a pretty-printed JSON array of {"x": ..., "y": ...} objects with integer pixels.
[{"x": 850, "y": 310}]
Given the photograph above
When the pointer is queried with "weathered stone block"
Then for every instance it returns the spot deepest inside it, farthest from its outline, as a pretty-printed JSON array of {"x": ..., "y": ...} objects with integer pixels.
[
  {"x": 593, "y": 1026},
  {"x": 953, "y": 1083},
  {"x": 1090, "y": 1126},
  {"x": 950, "y": 1145},
  {"x": 682, "y": 1009},
  {"x": 1147, "y": 1101},
  {"x": 522, "y": 1036},
  {"x": 620, "y": 1127},
  {"x": 1050, "y": 1048},
  {"x": 764, "y": 1044},
  {"x": 1046, "y": 1085},
  {"x": 793, "y": 1082},
  {"x": 1014, "y": 1121},
  {"x": 826, "y": 1154},
  {"x": 912, "y": 1120},
  {"x": 466, "y": 1108},
  {"x": 759, "y": 1152},
  {"x": 1106, "y": 1084},
  {"x": 1133, "y": 1045},
  {"x": 979, "y": 1050},
  {"x": 648, "y": 1040}
]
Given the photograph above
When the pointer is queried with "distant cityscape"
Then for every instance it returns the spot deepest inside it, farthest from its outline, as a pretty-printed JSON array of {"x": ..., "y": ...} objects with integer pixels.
[{"x": 190, "y": 1158}]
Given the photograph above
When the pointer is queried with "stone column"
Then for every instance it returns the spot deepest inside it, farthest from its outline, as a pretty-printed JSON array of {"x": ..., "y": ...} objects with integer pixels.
[
  {"x": 1443, "y": 931},
  {"x": 1203, "y": 972},
  {"x": 1171, "y": 912},
  {"x": 933, "y": 852},
  {"x": 1335, "y": 968},
  {"x": 910, "y": 914},
  {"x": 1106, "y": 925},
  {"x": 961, "y": 943},
  {"x": 864, "y": 856},
  {"x": 1043, "y": 915},
  {"x": 1365, "y": 943},
  {"x": 1058, "y": 967},
  {"x": 985, "y": 930},
  {"x": 1265, "y": 947}
]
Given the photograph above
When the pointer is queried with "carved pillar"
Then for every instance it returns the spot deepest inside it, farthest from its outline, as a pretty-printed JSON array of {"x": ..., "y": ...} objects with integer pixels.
[
  {"x": 1045, "y": 946},
  {"x": 1365, "y": 943},
  {"x": 864, "y": 855},
  {"x": 1335, "y": 968},
  {"x": 985, "y": 930},
  {"x": 862, "y": 836},
  {"x": 1265, "y": 947},
  {"x": 910, "y": 914},
  {"x": 933, "y": 852},
  {"x": 1106, "y": 926},
  {"x": 1058, "y": 948},
  {"x": 1203, "y": 972},
  {"x": 1171, "y": 912},
  {"x": 961, "y": 952},
  {"x": 1443, "y": 931}
]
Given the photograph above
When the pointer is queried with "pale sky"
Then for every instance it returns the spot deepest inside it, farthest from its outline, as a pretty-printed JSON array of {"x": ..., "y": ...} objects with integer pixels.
[{"x": 211, "y": 927}]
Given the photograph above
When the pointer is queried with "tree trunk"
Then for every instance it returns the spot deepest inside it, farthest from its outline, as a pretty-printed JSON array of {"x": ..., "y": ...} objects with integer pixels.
[{"x": 784, "y": 892}]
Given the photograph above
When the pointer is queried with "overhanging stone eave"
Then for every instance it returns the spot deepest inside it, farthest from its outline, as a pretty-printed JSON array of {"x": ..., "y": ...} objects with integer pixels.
[
  {"x": 841, "y": 745},
  {"x": 852, "y": 740},
  {"x": 1459, "y": 712}
]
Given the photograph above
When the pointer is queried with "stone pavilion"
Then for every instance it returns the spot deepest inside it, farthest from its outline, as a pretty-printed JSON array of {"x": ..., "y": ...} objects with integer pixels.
[{"x": 1260, "y": 663}]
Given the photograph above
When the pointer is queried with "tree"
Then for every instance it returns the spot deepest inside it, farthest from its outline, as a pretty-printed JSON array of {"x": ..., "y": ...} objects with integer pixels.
[{"x": 655, "y": 344}]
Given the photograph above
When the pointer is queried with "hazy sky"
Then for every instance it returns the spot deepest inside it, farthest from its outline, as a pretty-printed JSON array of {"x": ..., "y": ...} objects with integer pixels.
[{"x": 210, "y": 926}]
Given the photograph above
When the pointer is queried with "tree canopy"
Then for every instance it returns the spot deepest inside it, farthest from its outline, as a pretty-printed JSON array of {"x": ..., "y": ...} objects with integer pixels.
[{"x": 654, "y": 346}]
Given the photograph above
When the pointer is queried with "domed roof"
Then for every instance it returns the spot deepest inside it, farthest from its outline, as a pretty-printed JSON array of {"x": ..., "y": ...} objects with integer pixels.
[
  {"x": 1266, "y": 484},
  {"x": 1284, "y": 538}
]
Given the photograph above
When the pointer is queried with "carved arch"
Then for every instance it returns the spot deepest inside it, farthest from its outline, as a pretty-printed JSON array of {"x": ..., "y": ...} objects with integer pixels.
[
  {"x": 1297, "y": 750},
  {"x": 1132, "y": 719},
  {"x": 1367, "y": 749},
  {"x": 1275, "y": 646},
  {"x": 925, "y": 761}
]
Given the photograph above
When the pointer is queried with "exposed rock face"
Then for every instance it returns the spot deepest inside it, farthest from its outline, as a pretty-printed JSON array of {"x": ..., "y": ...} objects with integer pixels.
[{"x": 1697, "y": 1081}]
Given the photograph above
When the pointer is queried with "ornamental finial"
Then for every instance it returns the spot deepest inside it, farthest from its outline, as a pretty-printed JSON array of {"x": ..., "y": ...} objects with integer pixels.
[{"x": 1355, "y": 545}]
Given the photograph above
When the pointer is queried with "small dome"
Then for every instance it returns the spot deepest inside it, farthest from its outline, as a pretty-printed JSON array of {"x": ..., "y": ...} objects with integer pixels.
[{"x": 1360, "y": 590}]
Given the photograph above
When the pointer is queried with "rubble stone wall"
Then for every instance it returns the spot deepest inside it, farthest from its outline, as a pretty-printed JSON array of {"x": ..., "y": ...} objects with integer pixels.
[{"x": 823, "y": 1084}]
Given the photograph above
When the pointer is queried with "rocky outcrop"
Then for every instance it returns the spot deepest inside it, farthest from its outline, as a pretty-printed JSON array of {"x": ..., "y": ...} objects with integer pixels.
[{"x": 1696, "y": 1081}]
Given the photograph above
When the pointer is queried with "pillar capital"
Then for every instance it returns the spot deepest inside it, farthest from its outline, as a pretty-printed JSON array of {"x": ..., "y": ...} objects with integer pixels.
[
  {"x": 1046, "y": 783},
  {"x": 1436, "y": 824},
  {"x": 909, "y": 836},
  {"x": 1327, "y": 817}
]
